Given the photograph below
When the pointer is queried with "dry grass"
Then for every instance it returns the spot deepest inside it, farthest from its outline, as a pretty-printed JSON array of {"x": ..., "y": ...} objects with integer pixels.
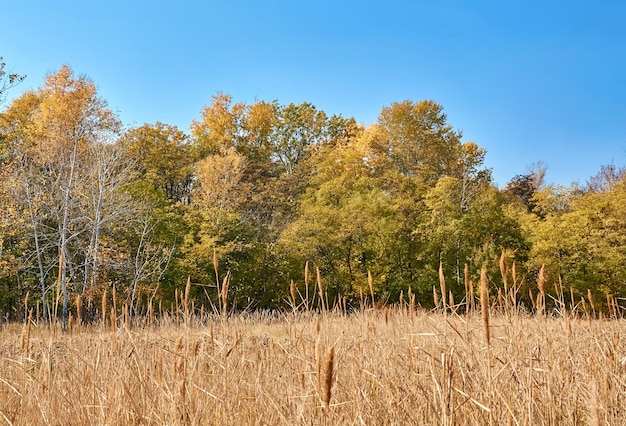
[{"x": 376, "y": 367}]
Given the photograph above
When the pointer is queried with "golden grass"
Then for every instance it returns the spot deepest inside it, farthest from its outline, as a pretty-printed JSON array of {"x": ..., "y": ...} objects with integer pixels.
[{"x": 391, "y": 366}]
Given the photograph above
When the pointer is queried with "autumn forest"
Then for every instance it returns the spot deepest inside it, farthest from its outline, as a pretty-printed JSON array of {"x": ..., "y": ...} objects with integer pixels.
[{"x": 255, "y": 194}]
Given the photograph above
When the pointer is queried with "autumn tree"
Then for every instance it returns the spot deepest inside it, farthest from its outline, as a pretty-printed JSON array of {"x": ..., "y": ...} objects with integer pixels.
[
  {"x": 297, "y": 128},
  {"x": 579, "y": 237},
  {"x": 418, "y": 139},
  {"x": 58, "y": 137},
  {"x": 163, "y": 158},
  {"x": 346, "y": 222}
]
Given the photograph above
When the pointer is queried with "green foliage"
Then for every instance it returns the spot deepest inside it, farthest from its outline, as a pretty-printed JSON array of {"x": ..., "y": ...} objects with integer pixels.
[
  {"x": 581, "y": 238},
  {"x": 163, "y": 159}
]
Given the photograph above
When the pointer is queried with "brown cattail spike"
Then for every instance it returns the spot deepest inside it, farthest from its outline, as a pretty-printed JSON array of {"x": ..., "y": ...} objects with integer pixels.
[
  {"x": 329, "y": 364},
  {"x": 541, "y": 284},
  {"x": 442, "y": 285},
  {"x": 292, "y": 292},
  {"x": 370, "y": 283},
  {"x": 320, "y": 288}
]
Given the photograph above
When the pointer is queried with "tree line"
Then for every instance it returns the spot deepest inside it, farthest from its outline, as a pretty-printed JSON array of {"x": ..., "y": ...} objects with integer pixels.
[{"x": 256, "y": 192}]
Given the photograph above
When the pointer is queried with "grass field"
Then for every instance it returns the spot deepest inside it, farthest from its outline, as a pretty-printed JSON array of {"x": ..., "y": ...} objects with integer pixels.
[{"x": 373, "y": 367}]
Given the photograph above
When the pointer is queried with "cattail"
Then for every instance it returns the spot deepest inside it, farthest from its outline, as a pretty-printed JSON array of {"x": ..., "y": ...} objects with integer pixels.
[
  {"x": 466, "y": 284},
  {"x": 224, "y": 293},
  {"x": 187, "y": 291},
  {"x": 104, "y": 308},
  {"x": 591, "y": 302},
  {"x": 306, "y": 283},
  {"x": 541, "y": 284},
  {"x": 215, "y": 267},
  {"x": 26, "y": 306},
  {"x": 514, "y": 273},
  {"x": 114, "y": 299},
  {"x": 292, "y": 292},
  {"x": 79, "y": 310},
  {"x": 194, "y": 349},
  {"x": 329, "y": 363},
  {"x": 541, "y": 280},
  {"x": 484, "y": 303},
  {"x": 442, "y": 285},
  {"x": 503, "y": 270},
  {"x": 320, "y": 287},
  {"x": 370, "y": 283}
]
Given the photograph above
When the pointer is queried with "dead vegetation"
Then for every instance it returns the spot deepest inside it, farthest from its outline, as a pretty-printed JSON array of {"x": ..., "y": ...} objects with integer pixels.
[{"x": 394, "y": 365}]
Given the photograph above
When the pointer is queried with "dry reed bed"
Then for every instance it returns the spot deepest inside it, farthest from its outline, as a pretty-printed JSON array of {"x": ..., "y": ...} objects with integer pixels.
[{"x": 374, "y": 367}]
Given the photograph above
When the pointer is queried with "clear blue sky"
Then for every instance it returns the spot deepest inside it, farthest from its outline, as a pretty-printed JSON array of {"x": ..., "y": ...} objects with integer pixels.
[{"x": 527, "y": 80}]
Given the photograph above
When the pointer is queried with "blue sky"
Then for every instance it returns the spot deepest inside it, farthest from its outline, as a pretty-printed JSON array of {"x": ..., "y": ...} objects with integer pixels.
[{"x": 527, "y": 80}]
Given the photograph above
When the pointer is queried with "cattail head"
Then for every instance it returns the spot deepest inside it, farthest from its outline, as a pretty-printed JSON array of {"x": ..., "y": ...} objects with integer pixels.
[
  {"x": 370, "y": 283},
  {"x": 442, "y": 284},
  {"x": 320, "y": 287},
  {"x": 224, "y": 292},
  {"x": 292, "y": 292},
  {"x": 114, "y": 298},
  {"x": 503, "y": 268},
  {"x": 104, "y": 307},
  {"x": 187, "y": 291},
  {"x": 79, "y": 310},
  {"x": 541, "y": 281},
  {"x": 329, "y": 366},
  {"x": 591, "y": 301},
  {"x": 215, "y": 264}
]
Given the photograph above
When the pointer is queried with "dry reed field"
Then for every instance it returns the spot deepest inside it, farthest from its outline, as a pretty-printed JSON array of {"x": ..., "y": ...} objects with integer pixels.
[{"x": 395, "y": 366}]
